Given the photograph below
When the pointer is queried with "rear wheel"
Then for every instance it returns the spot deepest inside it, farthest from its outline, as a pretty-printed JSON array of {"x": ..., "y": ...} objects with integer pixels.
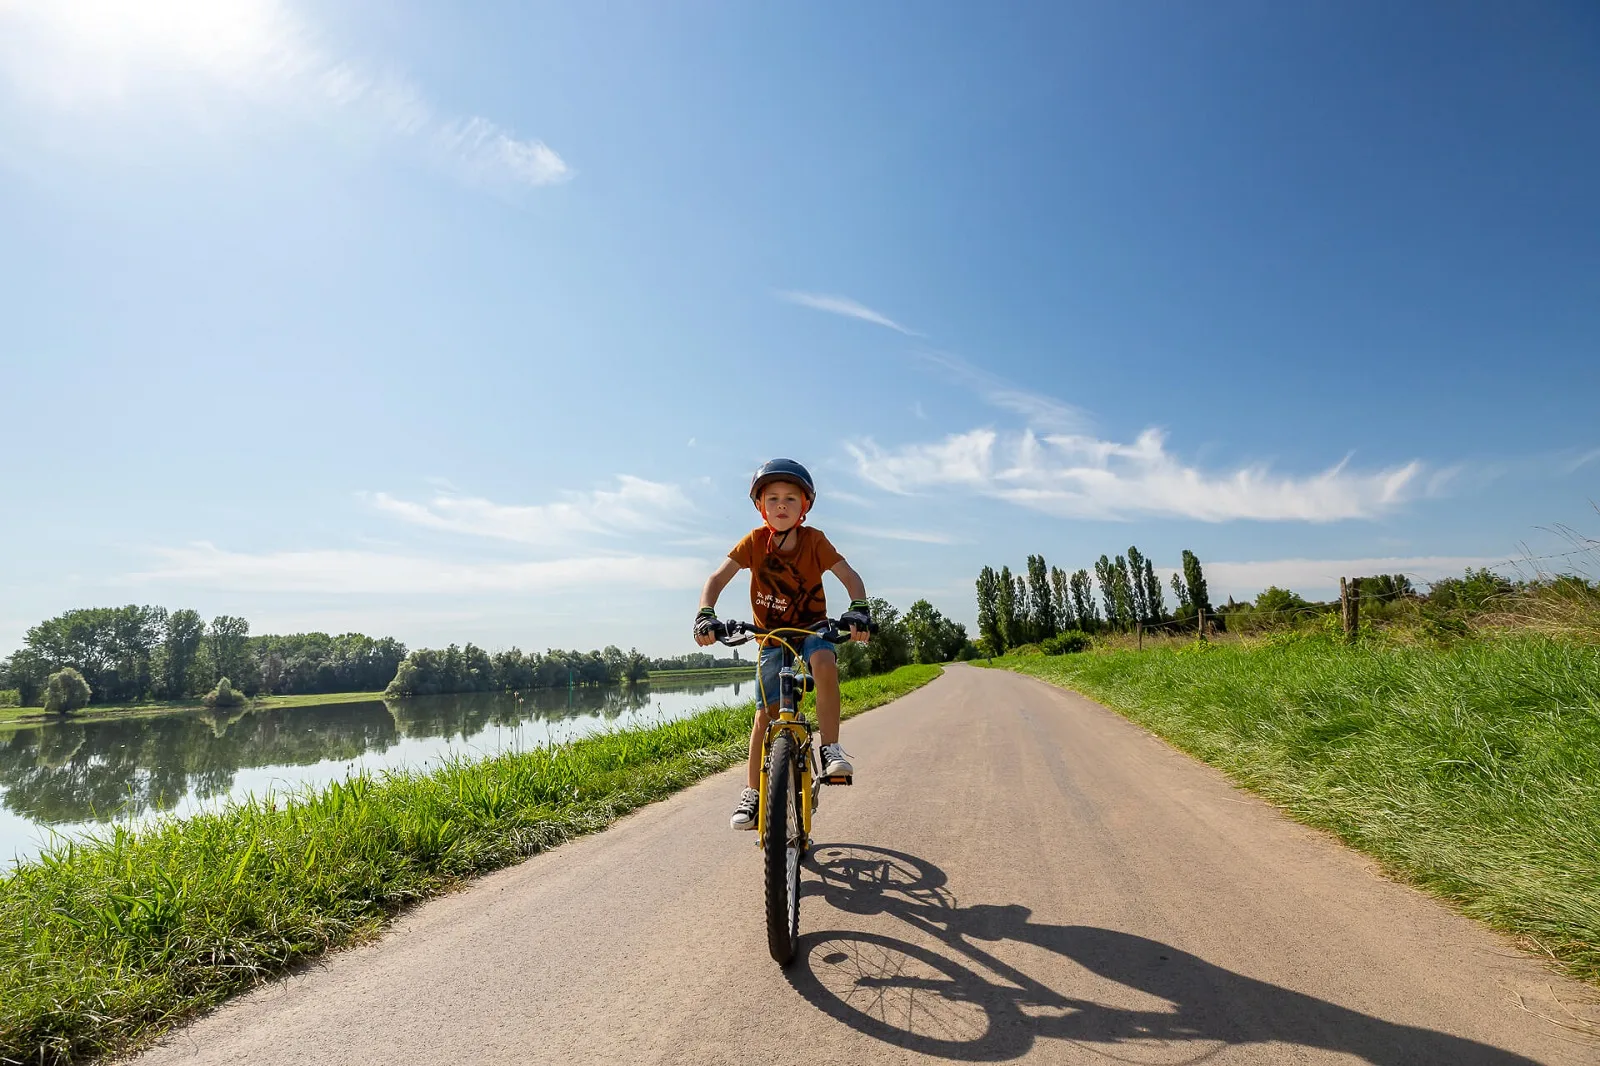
[{"x": 782, "y": 849}]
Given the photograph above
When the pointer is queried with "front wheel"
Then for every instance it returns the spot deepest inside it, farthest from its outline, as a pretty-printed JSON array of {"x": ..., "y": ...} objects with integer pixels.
[{"x": 782, "y": 849}]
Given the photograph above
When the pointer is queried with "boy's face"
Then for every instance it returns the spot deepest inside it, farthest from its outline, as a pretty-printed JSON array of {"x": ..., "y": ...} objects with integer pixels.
[{"x": 784, "y": 503}]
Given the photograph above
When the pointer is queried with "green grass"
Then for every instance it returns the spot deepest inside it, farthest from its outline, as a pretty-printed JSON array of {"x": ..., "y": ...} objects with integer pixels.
[
  {"x": 1470, "y": 770},
  {"x": 104, "y": 945},
  {"x": 122, "y": 710},
  {"x": 720, "y": 673}
]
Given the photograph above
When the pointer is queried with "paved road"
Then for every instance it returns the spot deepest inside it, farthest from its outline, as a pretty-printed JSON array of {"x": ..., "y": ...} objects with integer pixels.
[{"x": 1018, "y": 874}]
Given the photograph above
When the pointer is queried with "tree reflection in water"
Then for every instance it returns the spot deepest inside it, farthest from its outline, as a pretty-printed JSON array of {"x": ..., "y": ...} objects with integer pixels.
[{"x": 83, "y": 771}]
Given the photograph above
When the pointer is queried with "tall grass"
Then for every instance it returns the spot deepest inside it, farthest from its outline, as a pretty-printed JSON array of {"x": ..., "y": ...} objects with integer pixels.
[
  {"x": 105, "y": 944},
  {"x": 1470, "y": 769}
]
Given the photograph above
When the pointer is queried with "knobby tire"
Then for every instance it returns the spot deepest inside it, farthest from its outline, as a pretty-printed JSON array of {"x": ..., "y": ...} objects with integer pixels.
[{"x": 783, "y": 826}]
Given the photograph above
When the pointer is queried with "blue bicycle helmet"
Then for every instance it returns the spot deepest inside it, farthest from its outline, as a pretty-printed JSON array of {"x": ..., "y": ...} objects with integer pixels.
[{"x": 782, "y": 470}]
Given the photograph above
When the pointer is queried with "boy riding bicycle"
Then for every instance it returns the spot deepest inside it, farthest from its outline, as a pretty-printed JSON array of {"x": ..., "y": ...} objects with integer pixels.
[{"x": 786, "y": 563}]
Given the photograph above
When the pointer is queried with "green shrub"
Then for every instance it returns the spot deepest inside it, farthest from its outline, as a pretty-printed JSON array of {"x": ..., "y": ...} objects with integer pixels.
[
  {"x": 405, "y": 681},
  {"x": 1026, "y": 649},
  {"x": 66, "y": 691},
  {"x": 1068, "y": 641},
  {"x": 224, "y": 695},
  {"x": 10, "y": 697}
]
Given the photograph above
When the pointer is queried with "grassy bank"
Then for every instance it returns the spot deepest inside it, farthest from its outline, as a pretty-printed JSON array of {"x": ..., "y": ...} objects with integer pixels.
[
  {"x": 103, "y": 946},
  {"x": 721, "y": 673},
  {"x": 1470, "y": 770},
  {"x": 122, "y": 710}
]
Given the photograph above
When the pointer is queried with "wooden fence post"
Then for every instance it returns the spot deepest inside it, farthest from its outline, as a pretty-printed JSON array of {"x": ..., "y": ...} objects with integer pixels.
[
  {"x": 1138, "y": 629},
  {"x": 1349, "y": 609},
  {"x": 1202, "y": 628}
]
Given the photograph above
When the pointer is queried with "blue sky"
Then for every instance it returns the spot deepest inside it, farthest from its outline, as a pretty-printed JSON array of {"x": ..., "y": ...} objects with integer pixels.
[{"x": 470, "y": 322}]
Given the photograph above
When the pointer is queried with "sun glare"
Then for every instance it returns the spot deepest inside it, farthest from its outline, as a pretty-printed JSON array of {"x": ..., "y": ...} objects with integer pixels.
[{"x": 88, "y": 47}]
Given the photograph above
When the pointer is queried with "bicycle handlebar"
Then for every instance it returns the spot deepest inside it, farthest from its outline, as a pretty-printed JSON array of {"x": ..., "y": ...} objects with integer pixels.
[{"x": 828, "y": 629}]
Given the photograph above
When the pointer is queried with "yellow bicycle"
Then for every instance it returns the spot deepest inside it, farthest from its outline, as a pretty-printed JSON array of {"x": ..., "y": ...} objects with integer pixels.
[{"x": 789, "y": 780}]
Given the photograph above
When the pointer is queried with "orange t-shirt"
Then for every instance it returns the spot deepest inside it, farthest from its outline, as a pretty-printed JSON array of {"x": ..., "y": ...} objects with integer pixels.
[{"x": 786, "y": 587}]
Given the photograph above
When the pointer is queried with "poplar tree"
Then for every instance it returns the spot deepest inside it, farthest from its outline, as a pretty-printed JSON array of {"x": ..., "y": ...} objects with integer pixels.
[
  {"x": 1138, "y": 597},
  {"x": 1152, "y": 592},
  {"x": 1066, "y": 617},
  {"x": 1194, "y": 580},
  {"x": 1006, "y": 609},
  {"x": 1180, "y": 590},
  {"x": 1126, "y": 605},
  {"x": 1105, "y": 575},
  {"x": 1023, "y": 622},
  {"x": 1041, "y": 606},
  {"x": 989, "y": 610},
  {"x": 1083, "y": 601}
]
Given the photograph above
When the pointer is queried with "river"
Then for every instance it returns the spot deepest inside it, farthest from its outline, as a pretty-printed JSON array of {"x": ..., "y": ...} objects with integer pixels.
[{"x": 80, "y": 776}]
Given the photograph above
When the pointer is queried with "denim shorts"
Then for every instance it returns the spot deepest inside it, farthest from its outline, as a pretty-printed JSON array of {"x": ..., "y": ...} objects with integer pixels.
[{"x": 768, "y": 690}]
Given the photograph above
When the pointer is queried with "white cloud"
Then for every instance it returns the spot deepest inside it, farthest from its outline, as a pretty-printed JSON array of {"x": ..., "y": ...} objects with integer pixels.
[
  {"x": 843, "y": 305},
  {"x": 635, "y": 506},
  {"x": 336, "y": 572},
  {"x": 1074, "y": 476},
  {"x": 77, "y": 55}
]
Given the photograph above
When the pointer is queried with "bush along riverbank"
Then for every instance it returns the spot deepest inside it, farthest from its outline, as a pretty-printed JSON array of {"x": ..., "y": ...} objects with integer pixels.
[
  {"x": 1471, "y": 770},
  {"x": 104, "y": 945}
]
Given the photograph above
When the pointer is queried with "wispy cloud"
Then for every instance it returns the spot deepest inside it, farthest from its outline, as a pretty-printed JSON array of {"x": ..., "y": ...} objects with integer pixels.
[
  {"x": 915, "y": 536},
  {"x": 1084, "y": 477},
  {"x": 843, "y": 305},
  {"x": 76, "y": 55},
  {"x": 336, "y": 572},
  {"x": 1582, "y": 461},
  {"x": 1039, "y": 410},
  {"x": 635, "y": 506}
]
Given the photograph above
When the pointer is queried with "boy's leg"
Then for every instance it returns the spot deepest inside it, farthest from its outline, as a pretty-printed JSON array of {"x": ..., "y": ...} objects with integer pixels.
[
  {"x": 825, "y": 670},
  {"x": 768, "y": 663},
  {"x": 758, "y": 736}
]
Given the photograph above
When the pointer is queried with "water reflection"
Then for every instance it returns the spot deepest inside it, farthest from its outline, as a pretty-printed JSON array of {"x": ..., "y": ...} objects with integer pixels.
[{"x": 60, "y": 773}]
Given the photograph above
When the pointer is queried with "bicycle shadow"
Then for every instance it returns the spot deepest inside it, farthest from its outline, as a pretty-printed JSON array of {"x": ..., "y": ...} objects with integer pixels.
[{"x": 934, "y": 1002}]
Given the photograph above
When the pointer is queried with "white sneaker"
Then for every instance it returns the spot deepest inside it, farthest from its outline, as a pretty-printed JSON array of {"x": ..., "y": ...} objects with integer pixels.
[
  {"x": 834, "y": 762},
  {"x": 744, "y": 815}
]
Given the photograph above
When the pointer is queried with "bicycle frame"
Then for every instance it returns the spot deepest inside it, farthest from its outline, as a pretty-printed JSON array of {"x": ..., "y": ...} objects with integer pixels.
[
  {"x": 785, "y": 849},
  {"x": 792, "y": 686}
]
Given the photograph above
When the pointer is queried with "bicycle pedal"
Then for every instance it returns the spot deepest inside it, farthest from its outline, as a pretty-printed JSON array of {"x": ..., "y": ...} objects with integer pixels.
[{"x": 839, "y": 779}]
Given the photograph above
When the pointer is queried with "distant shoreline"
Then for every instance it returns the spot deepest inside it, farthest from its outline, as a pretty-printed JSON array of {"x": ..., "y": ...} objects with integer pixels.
[
  {"x": 35, "y": 715},
  {"x": 99, "y": 712}
]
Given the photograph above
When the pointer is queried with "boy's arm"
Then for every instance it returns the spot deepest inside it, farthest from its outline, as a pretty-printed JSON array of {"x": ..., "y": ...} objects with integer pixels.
[
  {"x": 706, "y": 627},
  {"x": 858, "y": 593},
  {"x": 849, "y": 579},
  {"x": 719, "y": 581}
]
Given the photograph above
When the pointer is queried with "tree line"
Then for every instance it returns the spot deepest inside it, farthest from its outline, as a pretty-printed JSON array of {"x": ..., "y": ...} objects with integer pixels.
[
  {"x": 1045, "y": 601},
  {"x": 150, "y": 653},
  {"x": 923, "y": 634},
  {"x": 133, "y": 653},
  {"x": 433, "y": 672},
  {"x": 920, "y": 635}
]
